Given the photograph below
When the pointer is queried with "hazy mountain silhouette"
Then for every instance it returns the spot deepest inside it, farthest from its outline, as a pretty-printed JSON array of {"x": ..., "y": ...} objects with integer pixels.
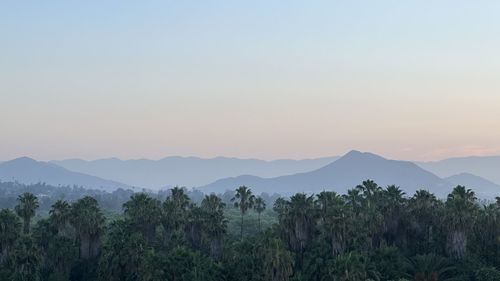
[
  {"x": 314, "y": 175},
  {"x": 187, "y": 171},
  {"x": 487, "y": 167},
  {"x": 344, "y": 173},
  {"x": 482, "y": 187},
  {"x": 26, "y": 170}
]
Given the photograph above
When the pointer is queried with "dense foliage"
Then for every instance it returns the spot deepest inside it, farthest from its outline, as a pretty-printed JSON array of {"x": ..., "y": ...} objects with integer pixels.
[{"x": 370, "y": 233}]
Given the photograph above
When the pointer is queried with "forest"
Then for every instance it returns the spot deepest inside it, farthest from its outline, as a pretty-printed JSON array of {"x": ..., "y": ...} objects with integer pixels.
[{"x": 369, "y": 233}]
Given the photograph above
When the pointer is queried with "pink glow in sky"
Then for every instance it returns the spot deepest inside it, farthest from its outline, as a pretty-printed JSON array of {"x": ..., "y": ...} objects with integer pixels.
[{"x": 261, "y": 79}]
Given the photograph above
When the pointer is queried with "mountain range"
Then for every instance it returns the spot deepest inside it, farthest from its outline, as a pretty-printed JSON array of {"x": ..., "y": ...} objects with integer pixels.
[
  {"x": 187, "y": 171},
  {"x": 487, "y": 167},
  {"x": 27, "y": 170},
  {"x": 280, "y": 176},
  {"x": 347, "y": 172},
  {"x": 483, "y": 187}
]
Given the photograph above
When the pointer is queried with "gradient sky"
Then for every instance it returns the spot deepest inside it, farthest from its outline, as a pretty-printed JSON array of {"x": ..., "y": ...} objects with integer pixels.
[{"x": 265, "y": 79}]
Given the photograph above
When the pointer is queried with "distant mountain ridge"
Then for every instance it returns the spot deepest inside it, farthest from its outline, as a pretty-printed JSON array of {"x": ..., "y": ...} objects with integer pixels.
[
  {"x": 187, "y": 171},
  {"x": 487, "y": 167},
  {"x": 344, "y": 173},
  {"x": 221, "y": 174},
  {"x": 480, "y": 185},
  {"x": 26, "y": 170}
]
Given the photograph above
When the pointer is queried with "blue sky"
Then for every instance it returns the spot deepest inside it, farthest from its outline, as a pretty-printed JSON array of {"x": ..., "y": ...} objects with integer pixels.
[{"x": 264, "y": 79}]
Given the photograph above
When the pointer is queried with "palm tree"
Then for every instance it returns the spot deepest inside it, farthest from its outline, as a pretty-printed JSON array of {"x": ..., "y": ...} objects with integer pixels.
[
  {"x": 213, "y": 204},
  {"x": 144, "y": 214},
  {"x": 25, "y": 208},
  {"x": 215, "y": 224},
  {"x": 353, "y": 267},
  {"x": 393, "y": 195},
  {"x": 358, "y": 216},
  {"x": 364, "y": 204},
  {"x": 430, "y": 268},
  {"x": 354, "y": 200},
  {"x": 300, "y": 223},
  {"x": 259, "y": 207},
  {"x": 10, "y": 229},
  {"x": 278, "y": 261},
  {"x": 371, "y": 191},
  {"x": 125, "y": 255},
  {"x": 461, "y": 209},
  {"x": 281, "y": 208},
  {"x": 244, "y": 200},
  {"x": 26, "y": 259},
  {"x": 88, "y": 220},
  {"x": 59, "y": 257},
  {"x": 195, "y": 222},
  {"x": 60, "y": 213},
  {"x": 393, "y": 210},
  {"x": 425, "y": 212},
  {"x": 487, "y": 230},
  {"x": 179, "y": 197},
  {"x": 175, "y": 209},
  {"x": 334, "y": 217}
]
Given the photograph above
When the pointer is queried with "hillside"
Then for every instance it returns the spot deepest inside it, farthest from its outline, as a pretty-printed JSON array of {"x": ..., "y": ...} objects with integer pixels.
[
  {"x": 482, "y": 187},
  {"x": 26, "y": 170},
  {"x": 187, "y": 171},
  {"x": 487, "y": 167},
  {"x": 342, "y": 174}
]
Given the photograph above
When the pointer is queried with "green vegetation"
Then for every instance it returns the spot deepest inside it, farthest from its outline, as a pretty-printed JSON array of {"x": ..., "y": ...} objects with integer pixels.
[{"x": 370, "y": 233}]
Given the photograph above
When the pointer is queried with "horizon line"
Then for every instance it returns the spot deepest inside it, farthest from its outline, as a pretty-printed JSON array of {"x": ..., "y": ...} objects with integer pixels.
[{"x": 245, "y": 158}]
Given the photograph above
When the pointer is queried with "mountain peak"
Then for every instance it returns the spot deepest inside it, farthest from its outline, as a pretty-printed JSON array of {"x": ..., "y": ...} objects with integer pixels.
[
  {"x": 358, "y": 155},
  {"x": 347, "y": 172},
  {"x": 353, "y": 153},
  {"x": 22, "y": 160}
]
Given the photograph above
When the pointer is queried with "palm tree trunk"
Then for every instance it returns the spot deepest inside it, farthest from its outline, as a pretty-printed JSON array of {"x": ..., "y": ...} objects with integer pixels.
[
  {"x": 457, "y": 244},
  {"x": 260, "y": 228},
  {"x": 241, "y": 230},
  {"x": 27, "y": 223},
  {"x": 84, "y": 246},
  {"x": 4, "y": 254},
  {"x": 215, "y": 248}
]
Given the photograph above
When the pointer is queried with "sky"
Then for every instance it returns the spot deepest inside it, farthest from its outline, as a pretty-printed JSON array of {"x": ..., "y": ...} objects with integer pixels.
[{"x": 414, "y": 80}]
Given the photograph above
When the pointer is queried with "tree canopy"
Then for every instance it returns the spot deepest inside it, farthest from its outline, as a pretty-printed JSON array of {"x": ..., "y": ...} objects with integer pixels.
[{"x": 369, "y": 233}]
